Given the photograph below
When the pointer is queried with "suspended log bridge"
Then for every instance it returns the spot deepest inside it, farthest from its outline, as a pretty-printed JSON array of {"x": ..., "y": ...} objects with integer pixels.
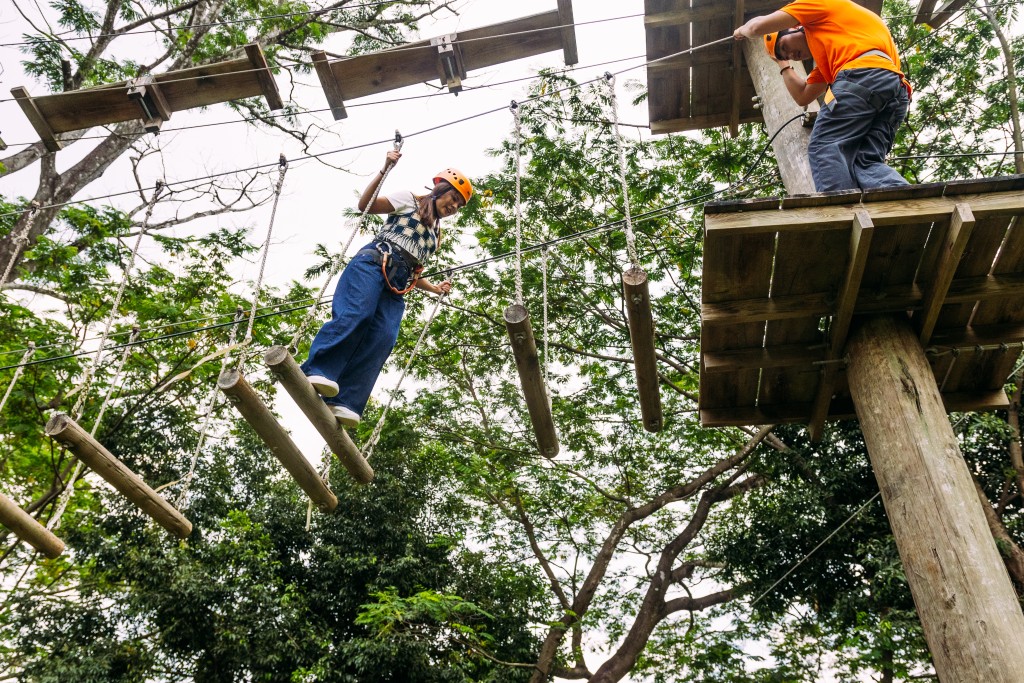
[
  {"x": 28, "y": 529},
  {"x": 894, "y": 306},
  {"x": 150, "y": 98},
  {"x": 64, "y": 430},
  {"x": 524, "y": 348},
  {"x": 287, "y": 371},
  {"x": 449, "y": 57},
  {"x": 641, "y": 335},
  {"x": 266, "y": 426}
]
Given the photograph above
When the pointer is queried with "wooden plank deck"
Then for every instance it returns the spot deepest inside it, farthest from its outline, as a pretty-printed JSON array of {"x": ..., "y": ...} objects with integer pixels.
[
  {"x": 699, "y": 90},
  {"x": 775, "y": 272}
]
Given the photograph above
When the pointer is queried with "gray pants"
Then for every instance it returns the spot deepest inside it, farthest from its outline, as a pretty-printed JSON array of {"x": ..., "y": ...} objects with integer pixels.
[{"x": 853, "y": 134}]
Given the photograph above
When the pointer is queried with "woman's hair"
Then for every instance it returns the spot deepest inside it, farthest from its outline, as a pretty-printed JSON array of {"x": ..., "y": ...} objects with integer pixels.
[{"x": 425, "y": 203}]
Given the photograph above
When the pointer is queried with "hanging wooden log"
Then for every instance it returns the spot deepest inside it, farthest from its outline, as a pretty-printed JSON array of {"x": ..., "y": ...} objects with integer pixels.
[
  {"x": 66, "y": 431},
  {"x": 524, "y": 348},
  {"x": 287, "y": 371},
  {"x": 281, "y": 445},
  {"x": 641, "y": 336},
  {"x": 28, "y": 529}
]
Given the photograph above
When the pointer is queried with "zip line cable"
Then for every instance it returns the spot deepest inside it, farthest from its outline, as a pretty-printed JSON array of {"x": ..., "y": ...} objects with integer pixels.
[{"x": 654, "y": 213}]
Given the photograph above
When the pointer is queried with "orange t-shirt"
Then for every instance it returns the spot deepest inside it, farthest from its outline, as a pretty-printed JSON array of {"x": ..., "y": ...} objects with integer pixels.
[{"x": 838, "y": 32}]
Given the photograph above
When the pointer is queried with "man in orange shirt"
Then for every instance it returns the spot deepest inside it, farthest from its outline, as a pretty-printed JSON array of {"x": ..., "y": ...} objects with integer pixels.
[{"x": 857, "y": 69}]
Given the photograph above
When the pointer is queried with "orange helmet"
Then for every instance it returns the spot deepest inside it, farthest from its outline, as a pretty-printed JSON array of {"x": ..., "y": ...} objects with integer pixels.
[
  {"x": 456, "y": 179},
  {"x": 771, "y": 41}
]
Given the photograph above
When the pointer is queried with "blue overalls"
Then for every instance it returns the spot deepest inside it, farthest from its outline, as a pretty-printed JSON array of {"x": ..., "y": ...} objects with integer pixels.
[{"x": 352, "y": 347}]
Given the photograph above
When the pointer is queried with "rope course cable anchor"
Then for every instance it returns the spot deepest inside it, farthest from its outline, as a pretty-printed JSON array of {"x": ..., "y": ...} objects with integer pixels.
[{"x": 636, "y": 296}]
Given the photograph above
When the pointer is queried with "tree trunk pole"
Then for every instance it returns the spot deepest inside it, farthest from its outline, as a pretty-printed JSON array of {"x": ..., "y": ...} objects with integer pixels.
[
  {"x": 790, "y": 146},
  {"x": 967, "y": 606}
]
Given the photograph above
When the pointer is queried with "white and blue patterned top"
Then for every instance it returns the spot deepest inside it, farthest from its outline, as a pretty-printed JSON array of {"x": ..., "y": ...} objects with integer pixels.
[{"x": 404, "y": 229}]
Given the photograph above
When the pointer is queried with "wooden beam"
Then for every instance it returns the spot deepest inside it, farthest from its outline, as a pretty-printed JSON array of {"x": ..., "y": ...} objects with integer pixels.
[
  {"x": 641, "y": 335},
  {"x": 882, "y": 213},
  {"x": 524, "y": 348},
  {"x": 681, "y": 17},
  {"x": 63, "y": 429},
  {"x": 786, "y": 356},
  {"x": 568, "y": 24},
  {"x": 979, "y": 335},
  {"x": 860, "y": 246},
  {"x": 925, "y": 9},
  {"x": 894, "y": 299},
  {"x": 335, "y": 97},
  {"x": 259, "y": 417},
  {"x": 661, "y": 127},
  {"x": 265, "y": 78},
  {"x": 957, "y": 579},
  {"x": 146, "y": 93},
  {"x": 986, "y": 288},
  {"x": 960, "y": 227},
  {"x": 940, "y": 17},
  {"x": 36, "y": 118},
  {"x": 28, "y": 529},
  {"x": 737, "y": 74},
  {"x": 287, "y": 371}
]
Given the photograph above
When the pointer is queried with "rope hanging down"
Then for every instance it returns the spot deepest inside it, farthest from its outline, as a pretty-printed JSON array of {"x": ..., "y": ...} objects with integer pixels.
[
  {"x": 516, "y": 116},
  {"x": 630, "y": 236},
  {"x": 17, "y": 373},
  {"x": 339, "y": 261},
  {"x": 20, "y": 241},
  {"x": 372, "y": 442}
]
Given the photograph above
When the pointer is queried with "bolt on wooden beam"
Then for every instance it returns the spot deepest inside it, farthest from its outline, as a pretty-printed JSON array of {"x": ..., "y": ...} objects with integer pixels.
[
  {"x": 287, "y": 371},
  {"x": 259, "y": 417},
  {"x": 66, "y": 431},
  {"x": 524, "y": 348}
]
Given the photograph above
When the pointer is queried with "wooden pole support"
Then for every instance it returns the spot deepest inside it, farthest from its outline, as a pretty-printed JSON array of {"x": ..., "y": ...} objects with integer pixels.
[
  {"x": 66, "y": 431},
  {"x": 28, "y": 529},
  {"x": 332, "y": 90},
  {"x": 36, "y": 118},
  {"x": 273, "y": 434},
  {"x": 524, "y": 348},
  {"x": 287, "y": 371},
  {"x": 568, "y": 24},
  {"x": 641, "y": 336},
  {"x": 957, "y": 579}
]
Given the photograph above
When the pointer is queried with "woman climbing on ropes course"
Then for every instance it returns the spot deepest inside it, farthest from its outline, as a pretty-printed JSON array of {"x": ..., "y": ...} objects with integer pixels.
[{"x": 350, "y": 349}]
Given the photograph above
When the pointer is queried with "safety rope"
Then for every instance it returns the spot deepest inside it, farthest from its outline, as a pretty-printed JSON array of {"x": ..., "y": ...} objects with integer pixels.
[
  {"x": 519, "y": 207},
  {"x": 339, "y": 261},
  {"x": 65, "y": 496},
  {"x": 544, "y": 278},
  {"x": 630, "y": 236},
  {"x": 282, "y": 169},
  {"x": 379, "y": 427},
  {"x": 210, "y": 408},
  {"x": 20, "y": 241},
  {"x": 325, "y": 474},
  {"x": 17, "y": 373}
]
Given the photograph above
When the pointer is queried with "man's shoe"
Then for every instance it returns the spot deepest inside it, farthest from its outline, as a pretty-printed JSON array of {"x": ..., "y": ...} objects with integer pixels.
[
  {"x": 345, "y": 416},
  {"x": 323, "y": 386}
]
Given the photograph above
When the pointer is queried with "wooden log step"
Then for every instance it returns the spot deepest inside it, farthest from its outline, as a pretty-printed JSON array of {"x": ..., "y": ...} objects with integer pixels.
[
  {"x": 287, "y": 371},
  {"x": 641, "y": 336},
  {"x": 66, "y": 431},
  {"x": 524, "y": 348},
  {"x": 249, "y": 405},
  {"x": 28, "y": 529}
]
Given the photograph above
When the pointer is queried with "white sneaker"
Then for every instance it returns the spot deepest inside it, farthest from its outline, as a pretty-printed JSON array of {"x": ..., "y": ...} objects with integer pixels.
[
  {"x": 345, "y": 416},
  {"x": 323, "y": 386}
]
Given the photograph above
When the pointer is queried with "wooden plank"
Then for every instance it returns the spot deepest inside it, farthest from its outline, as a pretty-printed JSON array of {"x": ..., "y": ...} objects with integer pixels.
[
  {"x": 268, "y": 86},
  {"x": 986, "y": 238},
  {"x": 677, "y": 18},
  {"x": 892, "y": 299},
  {"x": 416, "y": 62},
  {"x": 335, "y": 97},
  {"x": 924, "y": 11},
  {"x": 701, "y": 76},
  {"x": 699, "y": 123},
  {"x": 565, "y": 19},
  {"x": 961, "y": 225},
  {"x": 763, "y": 357},
  {"x": 668, "y": 91},
  {"x": 943, "y": 15},
  {"x": 738, "y": 75},
  {"x": 36, "y": 118},
  {"x": 883, "y": 213}
]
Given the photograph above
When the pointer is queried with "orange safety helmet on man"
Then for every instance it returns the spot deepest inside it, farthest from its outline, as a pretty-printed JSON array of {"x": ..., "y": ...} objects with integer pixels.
[
  {"x": 456, "y": 179},
  {"x": 771, "y": 40}
]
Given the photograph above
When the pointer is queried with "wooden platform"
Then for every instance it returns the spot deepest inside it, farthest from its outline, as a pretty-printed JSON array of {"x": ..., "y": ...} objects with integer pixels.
[
  {"x": 151, "y": 99},
  {"x": 448, "y": 58},
  {"x": 784, "y": 277},
  {"x": 710, "y": 87},
  {"x": 936, "y": 13}
]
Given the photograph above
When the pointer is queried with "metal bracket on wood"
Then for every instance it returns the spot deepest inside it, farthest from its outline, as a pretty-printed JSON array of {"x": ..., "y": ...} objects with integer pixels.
[
  {"x": 450, "y": 66},
  {"x": 155, "y": 109}
]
